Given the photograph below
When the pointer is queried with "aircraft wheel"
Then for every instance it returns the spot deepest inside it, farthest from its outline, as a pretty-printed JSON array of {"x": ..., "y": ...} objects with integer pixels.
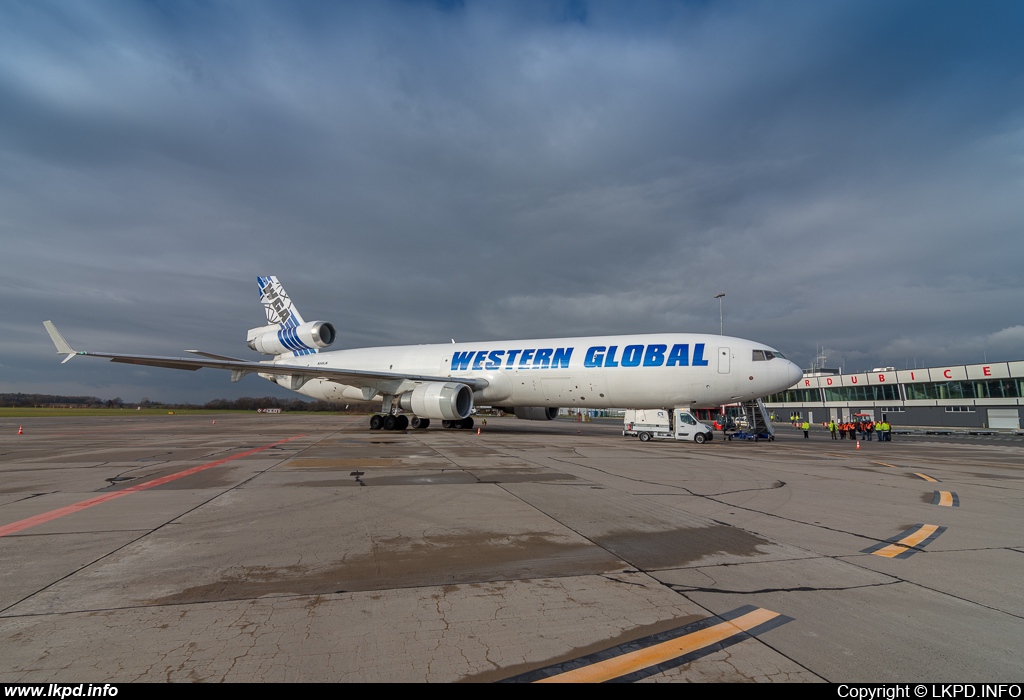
[
  {"x": 699, "y": 438},
  {"x": 415, "y": 422},
  {"x": 446, "y": 424},
  {"x": 401, "y": 422},
  {"x": 466, "y": 423},
  {"x": 645, "y": 437},
  {"x": 389, "y": 422},
  {"x": 376, "y": 422},
  {"x": 424, "y": 423}
]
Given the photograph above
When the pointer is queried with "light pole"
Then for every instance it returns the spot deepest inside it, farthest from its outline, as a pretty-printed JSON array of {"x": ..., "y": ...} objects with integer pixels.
[{"x": 721, "y": 325}]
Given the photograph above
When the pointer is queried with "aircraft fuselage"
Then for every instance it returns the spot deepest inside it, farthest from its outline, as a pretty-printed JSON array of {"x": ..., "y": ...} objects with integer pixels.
[{"x": 631, "y": 371}]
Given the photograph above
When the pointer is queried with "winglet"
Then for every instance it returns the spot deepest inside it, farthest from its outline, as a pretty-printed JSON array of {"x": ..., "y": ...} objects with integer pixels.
[{"x": 62, "y": 345}]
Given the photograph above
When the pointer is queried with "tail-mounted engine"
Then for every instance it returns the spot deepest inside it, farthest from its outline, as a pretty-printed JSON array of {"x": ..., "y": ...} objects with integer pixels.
[{"x": 304, "y": 338}]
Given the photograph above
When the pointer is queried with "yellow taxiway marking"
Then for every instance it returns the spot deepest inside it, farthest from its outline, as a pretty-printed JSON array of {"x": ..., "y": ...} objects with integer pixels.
[
  {"x": 945, "y": 499},
  {"x": 925, "y": 477},
  {"x": 660, "y": 653},
  {"x": 911, "y": 540},
  {"x": 886, "y": 465}
]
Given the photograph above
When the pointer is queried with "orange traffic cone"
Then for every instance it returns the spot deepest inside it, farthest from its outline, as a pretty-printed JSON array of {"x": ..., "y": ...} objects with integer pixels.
[
  {"x": 21, "y": 430},
  {"x": 858, "y": 444},
  {"x": 478, "y": 431},
  {"x": 215, "y": 421}
]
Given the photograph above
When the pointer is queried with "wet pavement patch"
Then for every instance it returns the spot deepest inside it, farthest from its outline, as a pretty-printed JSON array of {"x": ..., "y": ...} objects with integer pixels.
[
  {"x": 663, "y": 550},
  {"x": 520, "y": 476},
  {"x": 339, "y": 463},
  {"x": 403, "y": 562}
]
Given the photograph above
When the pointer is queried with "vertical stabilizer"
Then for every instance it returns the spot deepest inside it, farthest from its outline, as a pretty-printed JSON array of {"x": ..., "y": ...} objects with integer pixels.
[
  {"x": 280, "y": 309},
  {"x": 286, "y": 333}
]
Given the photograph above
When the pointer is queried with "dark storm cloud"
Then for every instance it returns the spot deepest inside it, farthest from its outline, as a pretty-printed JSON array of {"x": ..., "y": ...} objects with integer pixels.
[{"x": 849, "y": 173}]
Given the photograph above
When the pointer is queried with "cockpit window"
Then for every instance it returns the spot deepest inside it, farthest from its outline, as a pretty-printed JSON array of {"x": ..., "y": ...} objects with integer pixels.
[
  {"x": 779, "y": 354},
  {"x": 759, "y": 356}
]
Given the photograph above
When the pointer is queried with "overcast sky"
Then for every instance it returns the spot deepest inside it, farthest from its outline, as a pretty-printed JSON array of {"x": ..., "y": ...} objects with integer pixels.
[{"x": 849, "y": 174}]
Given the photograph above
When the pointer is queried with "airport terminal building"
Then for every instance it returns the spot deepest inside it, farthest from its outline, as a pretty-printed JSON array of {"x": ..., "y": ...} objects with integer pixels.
[{"x": 989, "y": 396}]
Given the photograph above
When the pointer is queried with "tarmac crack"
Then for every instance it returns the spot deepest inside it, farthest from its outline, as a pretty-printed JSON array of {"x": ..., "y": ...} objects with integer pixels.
[{"x": 680, "y": 588}]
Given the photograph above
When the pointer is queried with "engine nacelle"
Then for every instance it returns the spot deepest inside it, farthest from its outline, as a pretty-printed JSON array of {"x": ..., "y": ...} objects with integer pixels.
[
  {"x": 273, "y": 340},
  {"x": 535, "y": 412},
  {"x": 439, "y": 400}
]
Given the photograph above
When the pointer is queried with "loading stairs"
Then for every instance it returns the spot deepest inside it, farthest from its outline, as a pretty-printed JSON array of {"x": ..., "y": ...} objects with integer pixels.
[{"x": 759, "y": 424}]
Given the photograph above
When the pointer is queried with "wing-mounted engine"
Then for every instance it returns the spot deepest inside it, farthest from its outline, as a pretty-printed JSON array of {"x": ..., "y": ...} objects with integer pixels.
[
  {"x": 535, "y": 412},
  {"x": 303, "y": 339},
  {"x": 440, "y": 400}
]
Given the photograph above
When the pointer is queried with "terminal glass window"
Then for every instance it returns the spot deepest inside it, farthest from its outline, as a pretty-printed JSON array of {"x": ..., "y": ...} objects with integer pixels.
[
  {"x": 940, "y": 390},
  {"x": 867, "y": 392},
  {"x": 997, "y": 389},
  {"x": 796, "y": 396}
]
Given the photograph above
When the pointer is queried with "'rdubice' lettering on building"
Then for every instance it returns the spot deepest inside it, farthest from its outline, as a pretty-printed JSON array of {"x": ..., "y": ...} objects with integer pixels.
[{"x": 653, "y": 355}]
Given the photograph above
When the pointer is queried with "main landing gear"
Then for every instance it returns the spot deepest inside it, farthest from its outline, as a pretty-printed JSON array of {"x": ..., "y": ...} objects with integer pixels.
[
  {"x": 403, "y": 422},
  {"x": 397, "y": 422},
  {"x": 464, "y": 424}
]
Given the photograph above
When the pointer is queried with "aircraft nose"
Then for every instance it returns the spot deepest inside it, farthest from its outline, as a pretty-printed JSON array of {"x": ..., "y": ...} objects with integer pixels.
[{"x": 794, "y": 372}]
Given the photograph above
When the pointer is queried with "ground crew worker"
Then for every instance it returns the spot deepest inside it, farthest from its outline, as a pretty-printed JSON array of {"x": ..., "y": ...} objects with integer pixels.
[
  {"x": 805, "y": 426},
  {"x": 832, "y": 428},
  {"x": 869, "y": 428}
]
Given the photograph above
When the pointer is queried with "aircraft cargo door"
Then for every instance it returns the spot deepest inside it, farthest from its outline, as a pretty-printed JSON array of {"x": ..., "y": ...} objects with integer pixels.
[
  {"x": 558, "y": 391},
  {"x": 723, "y": 360}
]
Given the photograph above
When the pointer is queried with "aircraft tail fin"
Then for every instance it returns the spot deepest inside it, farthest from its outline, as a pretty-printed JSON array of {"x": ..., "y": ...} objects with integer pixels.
[
  {"x": 278, "y": 306},
  {"x": 286, "y": 333}
]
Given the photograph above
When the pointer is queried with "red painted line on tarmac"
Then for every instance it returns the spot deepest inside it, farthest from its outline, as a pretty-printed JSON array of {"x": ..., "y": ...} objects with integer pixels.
[{"x": 82, "y": 505}]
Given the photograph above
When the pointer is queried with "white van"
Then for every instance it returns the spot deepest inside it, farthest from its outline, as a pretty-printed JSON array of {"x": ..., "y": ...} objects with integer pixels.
[{"x": 662, "y": 424}]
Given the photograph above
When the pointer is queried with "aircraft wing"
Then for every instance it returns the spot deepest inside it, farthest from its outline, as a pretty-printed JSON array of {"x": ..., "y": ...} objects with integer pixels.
[{"x": 239, "y": 368}]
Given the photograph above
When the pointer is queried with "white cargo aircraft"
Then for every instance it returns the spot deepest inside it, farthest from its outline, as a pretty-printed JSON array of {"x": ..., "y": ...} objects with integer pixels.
[{"x": 530, "y": 378}]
